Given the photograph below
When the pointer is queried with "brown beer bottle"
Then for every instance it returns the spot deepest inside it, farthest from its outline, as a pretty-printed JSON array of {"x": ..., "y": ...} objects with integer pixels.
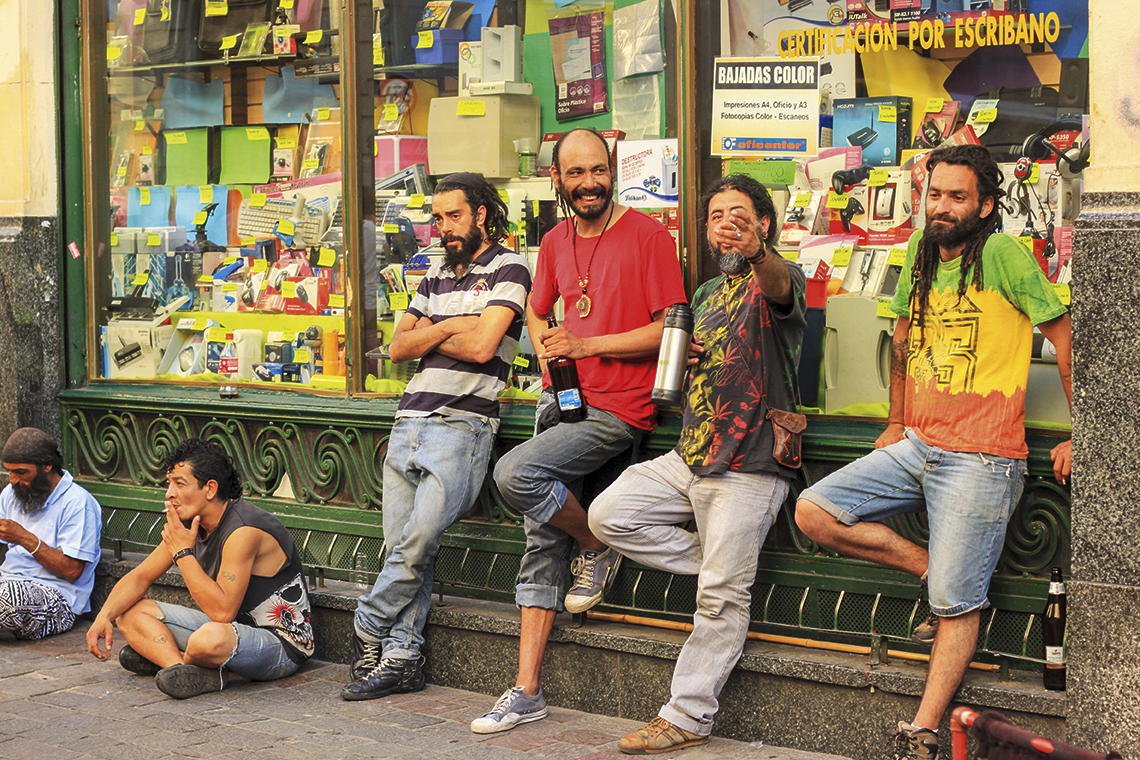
[
  {"x": 1053, "y": 628},
  {"x": 567, "y": 387}
]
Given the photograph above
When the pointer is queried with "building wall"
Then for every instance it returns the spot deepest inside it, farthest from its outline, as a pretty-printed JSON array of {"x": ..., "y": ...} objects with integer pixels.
[{"x": 30, "y": 344}]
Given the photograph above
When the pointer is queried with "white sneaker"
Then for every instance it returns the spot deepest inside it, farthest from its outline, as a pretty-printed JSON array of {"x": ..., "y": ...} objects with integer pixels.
[{"x": 513, "y": 708}]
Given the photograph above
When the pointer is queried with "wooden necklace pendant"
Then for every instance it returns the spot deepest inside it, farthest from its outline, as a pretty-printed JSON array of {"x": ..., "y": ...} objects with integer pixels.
[{"x": 583, "y": 305}]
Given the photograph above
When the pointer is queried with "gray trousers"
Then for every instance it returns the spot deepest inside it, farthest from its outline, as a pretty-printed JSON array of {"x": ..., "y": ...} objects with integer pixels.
[{"x": 640, "y": 516}]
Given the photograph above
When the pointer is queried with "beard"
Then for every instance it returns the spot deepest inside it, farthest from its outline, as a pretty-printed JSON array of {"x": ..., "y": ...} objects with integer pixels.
[
  {"x": 31, "y": 498},
  {"x": 729, "y": 262},
  {"x": 470, "y": 243},
  {"x": 956, "y": 232},
  {"x": 589, "y": 213}
]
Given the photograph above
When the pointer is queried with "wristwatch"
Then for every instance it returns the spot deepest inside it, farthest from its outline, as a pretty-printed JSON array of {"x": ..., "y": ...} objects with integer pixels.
[{"x": 183, "y": 553}]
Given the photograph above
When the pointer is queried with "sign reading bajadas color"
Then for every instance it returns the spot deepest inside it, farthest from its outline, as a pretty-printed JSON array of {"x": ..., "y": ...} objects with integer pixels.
[{"x": 765, "y": 107}]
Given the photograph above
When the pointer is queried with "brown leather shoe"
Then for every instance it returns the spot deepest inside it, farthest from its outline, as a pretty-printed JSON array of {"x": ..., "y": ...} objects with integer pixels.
[{"x": 659, "y": 736}]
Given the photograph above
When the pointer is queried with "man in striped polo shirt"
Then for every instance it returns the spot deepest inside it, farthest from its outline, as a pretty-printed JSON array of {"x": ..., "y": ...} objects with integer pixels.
[{"x": 464, "y": 326}]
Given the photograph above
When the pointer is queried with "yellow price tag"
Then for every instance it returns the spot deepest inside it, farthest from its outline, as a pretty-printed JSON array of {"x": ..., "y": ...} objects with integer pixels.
[
  {"x": 313, "y": 37},
  {"x": 229, "y": 260},
  {"x": 391, "y": 112},
  {"x": 256, "y": 133},
  {"x": 257, "y": 199},
  {"x": 142, "y": 278},
  {"x": 934, "y": 105},
  {"x": 985, "y": 116},
  {"x": 391, "y": 229},
  {"x": 327, "y": 257},
  {"x": 164, "y": 14},
  {"x": 1034, "y": 174},
  {"x": 801, "y": 199},
  {"x": 114, "y": 52},
  {"x": 205, "y": 194},
  {"x": 323, "y": 114},
  {"x": 425, "y": 40},
  {"x": 286, "y": 4},
  {"x": 300, "y": 355},
  {"x": 790, "y": 255},
  {"x": 121, "y": 171},
  {"x": 841, "y": 257},
  {"x": 175, "y": 138},
  {"x": 260, "y": 265},
  {"x": 837, "y": 200},
  {"x": 883, "y": 309},
  {"x": 897, "y": 257},
  {"x": 140, "y": 125},
  {"x": 286, "y": 143},
  {"x": 471, "y": 108},
  {"x": 888, "y": 114},
  {"x": 140, "y": 16},
  {"x": 286, "y": 227},
  {"x": 1027, "y": 241},
  {"x": 217, "y": 8},
  {"x": 147, "y": 150},
  {"x": 200, "y": 218},
  {"x": 247, "y": 242},
  {"x": 144, "y": 196},
  {"x": 229, "y": 42},
  {"x": 311, "y": 163},
  {"x": 205, "y": 279},
  {"x": 417, "y": 200},
  {"x": 229, "y": 287},
  {"x": 289, "y": 290},
  {"x": 216, "y": 335},
  {"x": 1064, "y": 292},
  {"x": 336, "y": 301},
  {"x": 377, "y": 55},
  {"x": 521, "y": 361},
  {"x": 114, "y": 238},
  {"x": 399, "y": 301},
  {"x": 877, "y": 178}
]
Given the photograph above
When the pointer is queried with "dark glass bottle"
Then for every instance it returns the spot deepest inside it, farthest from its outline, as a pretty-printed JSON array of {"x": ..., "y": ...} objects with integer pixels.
[
  {"x": 567, "y": 387},
  {"x": 1054, "y": 633}
]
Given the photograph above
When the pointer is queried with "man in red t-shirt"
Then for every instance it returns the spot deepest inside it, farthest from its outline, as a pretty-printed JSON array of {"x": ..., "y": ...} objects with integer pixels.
[{"x": 617, "y": 272}]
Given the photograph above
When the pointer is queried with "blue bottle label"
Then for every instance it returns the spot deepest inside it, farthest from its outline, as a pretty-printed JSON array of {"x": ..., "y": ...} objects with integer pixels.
[{"x": 569, "y": 400}]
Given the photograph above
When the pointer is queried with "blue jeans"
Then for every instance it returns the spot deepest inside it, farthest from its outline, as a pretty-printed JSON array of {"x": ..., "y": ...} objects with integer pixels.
[
  {"x": 432, "y": 475},
  {"x": 532, "y": 479},
  {"x": 968, "y": 498},
  {"x": 259, "y": 655},
  {"x": 640, "y": 516}
]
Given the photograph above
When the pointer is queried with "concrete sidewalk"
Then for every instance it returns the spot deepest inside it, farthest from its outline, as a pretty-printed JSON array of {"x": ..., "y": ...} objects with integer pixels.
[{"x": 57, "y": 702}]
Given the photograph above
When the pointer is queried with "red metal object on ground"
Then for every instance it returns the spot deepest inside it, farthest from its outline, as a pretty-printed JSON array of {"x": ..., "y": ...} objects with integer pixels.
[{"x": 998, "y": 739}]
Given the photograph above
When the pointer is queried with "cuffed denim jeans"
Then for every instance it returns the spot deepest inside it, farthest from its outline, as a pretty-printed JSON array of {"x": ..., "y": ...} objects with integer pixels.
[
  {"x": 641, "y": 515},
  {"x": 432, "y": 475}
]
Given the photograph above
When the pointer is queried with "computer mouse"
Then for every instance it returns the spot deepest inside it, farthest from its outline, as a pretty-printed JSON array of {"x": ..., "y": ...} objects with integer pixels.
[{"x": 885, "y": 202}]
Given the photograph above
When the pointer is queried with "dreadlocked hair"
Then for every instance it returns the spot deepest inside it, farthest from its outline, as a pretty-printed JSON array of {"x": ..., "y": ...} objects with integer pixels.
[
  {"x": 928, "y": 257},
  {"x": 564, "y": 207},
  {"x": 479, "y": 192}
]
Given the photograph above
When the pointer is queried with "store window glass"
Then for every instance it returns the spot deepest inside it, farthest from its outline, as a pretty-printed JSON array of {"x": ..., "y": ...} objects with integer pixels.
[{"x": 221, "y": 256}]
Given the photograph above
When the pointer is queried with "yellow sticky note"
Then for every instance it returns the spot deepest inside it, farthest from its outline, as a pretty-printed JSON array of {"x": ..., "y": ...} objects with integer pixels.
[
  {"x": 140, "y": 125},
  {"x": 217, "y": 8},
  {"x": 327, "y": 257},
  {"x": 144, "y": 196},
  {"x": 205, "y": 279},
  {"x": 311, "y": 163},
  {"x": 934, "y": 105},
  {"x": 121, "y": 171},
  {"x": 416, "y": 200},
  {"x": 114, "y": 52},
  {"x": 424, "y": 40},
  {"x": 1027, "y": 241},
  {"x": 286, "y": 227},
  {"x": 229, "y": 287},
  {"x": 377, "y": 55},
  {"x": 336, "y": 301},
  {"x": 164, "y": 14},
  {"x": 147, "y": 150},
  {"x": 897, "y": 257},
  {"x": 247, "y": 242},
  {"x": 286, "y": 4},
  {"x": 300, "y": 355},
  {"x": 801, "y": 199},
  {"x": 837, "y": 200},
  {"x": 521, "y": 361},
  {"x": 883, "y": 309},
  {"x": 216, "y": 335},
  {"x": 877, "y": 178},
  {"x": 1064, "y": 292},
  {"x": 399, "y": 301},
  {"x": 841, "y": 257},
  {"x": 888, "y": 114},
  {"x": 114, "y": 238},
  {"x": 470, "y": 108},
  {"x": 256, "y": 133},
  {"x": 229, "y": 260},
  {"x": 391, "y": 112},
  {"x": 985, "y": 116},
  {"x": 175, "y": 138},
  {"x": 391, "y": 229},
  {"x": 289, "y": 289},
  {"x": 142, "y": 278},
  {"x": 257, "y": 199},
  {"x": 313, "y": 37},
  {"x": 205, "y": 194},
  {"x": 229, "y": 42},
  {"x": 140, "y": 16},
  {"x": 323, "y": 114},
  {"x": 260, "y": 265},
  {"x": 286, "y": 143},
  {"x": 790, "y": 255},
  {"x": 1034, "y": 174},
  {"x": 200, "y": 218}
]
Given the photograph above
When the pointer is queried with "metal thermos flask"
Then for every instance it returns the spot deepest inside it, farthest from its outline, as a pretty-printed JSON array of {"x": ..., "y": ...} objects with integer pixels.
[{"x": 673, "y": 359}]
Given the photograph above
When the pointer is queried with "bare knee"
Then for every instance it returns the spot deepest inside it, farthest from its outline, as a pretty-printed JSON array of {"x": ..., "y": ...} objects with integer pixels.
[
  {"x": 814, "y": 521},
  {"x": 210, "y": 645},
  {"x": 143, "y": 611}
]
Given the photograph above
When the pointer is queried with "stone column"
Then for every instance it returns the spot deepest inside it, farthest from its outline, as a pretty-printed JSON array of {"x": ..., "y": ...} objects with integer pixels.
[{"x": 1104, "y": 593}]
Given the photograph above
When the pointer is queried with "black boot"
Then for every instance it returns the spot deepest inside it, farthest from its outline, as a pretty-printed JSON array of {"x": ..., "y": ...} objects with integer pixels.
[
  {"x": 365, "y": 657},
  {"x": 391, "y": 676}
]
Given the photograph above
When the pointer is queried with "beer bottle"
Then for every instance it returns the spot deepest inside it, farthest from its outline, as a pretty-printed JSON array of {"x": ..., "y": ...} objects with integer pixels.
[
  {"x": 567, "y": 387},
  {"x": 1053, "y": 625}
]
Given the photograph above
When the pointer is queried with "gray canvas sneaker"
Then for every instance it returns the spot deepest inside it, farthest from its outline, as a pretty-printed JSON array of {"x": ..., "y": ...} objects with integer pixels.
[
  {"x": 513, "y": 708},
  {"x": 593, "y": 572}
]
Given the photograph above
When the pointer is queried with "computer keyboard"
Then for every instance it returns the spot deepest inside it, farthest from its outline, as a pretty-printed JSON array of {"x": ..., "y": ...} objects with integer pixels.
[{"x": 260, "y": 221}]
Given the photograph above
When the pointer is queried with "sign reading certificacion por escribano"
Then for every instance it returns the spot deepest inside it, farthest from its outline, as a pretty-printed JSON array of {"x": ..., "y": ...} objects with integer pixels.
[{"x": 765, "y": 107}]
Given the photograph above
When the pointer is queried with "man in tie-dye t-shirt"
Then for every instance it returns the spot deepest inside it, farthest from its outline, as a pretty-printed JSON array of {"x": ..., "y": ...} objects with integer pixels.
[{"x": 954, "y": 446}]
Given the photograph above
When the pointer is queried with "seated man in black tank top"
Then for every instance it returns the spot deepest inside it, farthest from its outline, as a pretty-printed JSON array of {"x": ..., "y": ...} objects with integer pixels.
[{"x": 243, "y": 571}]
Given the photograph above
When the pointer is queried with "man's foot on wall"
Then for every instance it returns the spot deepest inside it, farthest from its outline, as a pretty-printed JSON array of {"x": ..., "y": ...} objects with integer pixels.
[
  {"x": 390, "y": 676},
  {"x": 925, "y": 631},
  {"x": 593, "y": 572},
  {"x": 913, "y": 743}
]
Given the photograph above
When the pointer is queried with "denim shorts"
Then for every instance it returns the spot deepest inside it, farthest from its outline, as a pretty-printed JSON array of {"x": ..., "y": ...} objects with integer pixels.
[
  {"x": 968, "y": 498},
  {"x": 258, "y": 655}
]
